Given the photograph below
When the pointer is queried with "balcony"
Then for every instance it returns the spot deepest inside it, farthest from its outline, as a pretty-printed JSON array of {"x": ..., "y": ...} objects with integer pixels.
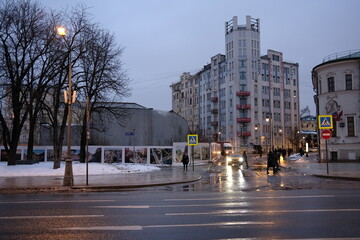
[
  {"x": 243, "y": 134},
  {"x": 214, "y": 123},
  {"x": 214, "y": 99},
  {"x": 243, "y": 106},
  {"x": 243, "y": 120},
  {"x": 214, "y": 111},
  {"x": 243, "y": 93}
]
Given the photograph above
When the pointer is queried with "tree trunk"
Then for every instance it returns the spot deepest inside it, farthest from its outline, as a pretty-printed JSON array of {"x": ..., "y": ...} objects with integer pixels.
[
  {"x": 58, "y": 138},
  {"x": 12, "y": 154},
  {"x": 30, "y": 148}
]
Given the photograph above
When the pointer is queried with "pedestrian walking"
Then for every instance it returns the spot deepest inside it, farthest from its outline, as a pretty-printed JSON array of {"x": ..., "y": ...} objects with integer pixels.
[
  {"x": 185, "y": 159},
  {"x": 245, "y": 159},
  {"x": 270, "y": 162}
]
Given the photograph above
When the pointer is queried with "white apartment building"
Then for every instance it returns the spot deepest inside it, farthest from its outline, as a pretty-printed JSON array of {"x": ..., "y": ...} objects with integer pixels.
[
  {"x": 239, "y": 90},
  {"x": 337, "y": 86}
]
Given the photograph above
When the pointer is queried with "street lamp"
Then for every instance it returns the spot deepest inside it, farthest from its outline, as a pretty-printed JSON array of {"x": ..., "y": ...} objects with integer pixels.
[
  {"x": 69, "y": 98},
  {"x": 256, "y": 137},
  {"x": 268, "y": 119},
  {"x": 281, "y": 137}
]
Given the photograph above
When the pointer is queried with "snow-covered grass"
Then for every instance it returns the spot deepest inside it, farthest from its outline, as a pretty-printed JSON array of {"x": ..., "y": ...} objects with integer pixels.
[{"x": 46, "y": 169}]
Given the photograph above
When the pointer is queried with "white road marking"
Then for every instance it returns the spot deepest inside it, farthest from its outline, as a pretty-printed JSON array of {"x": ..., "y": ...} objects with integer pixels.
[
  {"x": 238, "y": 197},
  {"x": 52, "y": 216},
  {"x": 128, "y": 206},
  {"x": 104, "y": 228},
  {"x": 58, "y": 201},
  {"x": 242, "y": 211},
  {"x": 137, "y": 227},
  {"x": 291, "y": 239}
]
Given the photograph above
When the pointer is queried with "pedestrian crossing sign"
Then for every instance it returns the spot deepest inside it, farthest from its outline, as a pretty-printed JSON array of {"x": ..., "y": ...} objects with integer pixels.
[
  {"x": 192, "y": 139},
  {"x": 325, "y": 122}
]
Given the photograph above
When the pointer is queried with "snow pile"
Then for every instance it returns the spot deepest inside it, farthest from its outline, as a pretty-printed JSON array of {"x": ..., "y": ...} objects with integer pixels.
[{"x": 46, "y": 169}]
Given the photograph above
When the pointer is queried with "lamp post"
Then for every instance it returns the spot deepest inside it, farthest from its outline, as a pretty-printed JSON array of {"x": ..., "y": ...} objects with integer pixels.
[
  {"x": 281, "y": 137},
  {"x": 256, "y": 137},
  {"x": 69, "y": 98},
  {"x": 268, "y": 119}
]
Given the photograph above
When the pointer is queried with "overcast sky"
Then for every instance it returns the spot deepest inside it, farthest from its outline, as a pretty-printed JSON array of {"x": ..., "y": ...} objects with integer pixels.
[{"x": 164, "y": 38}]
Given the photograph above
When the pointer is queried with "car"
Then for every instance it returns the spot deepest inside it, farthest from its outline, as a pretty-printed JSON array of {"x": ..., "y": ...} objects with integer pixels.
[
  {"x": 294, "y": 157},
  {"x": 235, "y": 159}
]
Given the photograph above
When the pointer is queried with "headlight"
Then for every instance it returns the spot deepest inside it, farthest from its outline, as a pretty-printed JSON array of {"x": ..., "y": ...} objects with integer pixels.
[
  {"x": 228, "y": 159},
  {"x": 241, "y": 159}
]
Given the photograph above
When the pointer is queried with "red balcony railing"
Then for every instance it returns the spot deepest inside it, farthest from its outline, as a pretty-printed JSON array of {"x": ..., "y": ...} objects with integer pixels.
[
  {"x": 243, "y": 106},
  {"x": 214, "y": 111},
  {"x": 214, "y": 123},
  {"x": 214, "y": 99},
  {"x": 243, "y": 93},
  {"x": 244, "y": 134},
  {"x": 243, "y": 120}
]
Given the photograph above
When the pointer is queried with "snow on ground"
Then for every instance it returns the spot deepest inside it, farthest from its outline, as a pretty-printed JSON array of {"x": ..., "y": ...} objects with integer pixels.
[{"x": 46, "y": 169}]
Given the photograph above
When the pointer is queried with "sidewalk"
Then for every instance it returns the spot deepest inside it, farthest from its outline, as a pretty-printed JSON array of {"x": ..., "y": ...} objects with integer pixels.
[
  {"x": 166, "y": 176},
  {"x": 310, "y": 166},
  {"x": 345, "y": 171}
]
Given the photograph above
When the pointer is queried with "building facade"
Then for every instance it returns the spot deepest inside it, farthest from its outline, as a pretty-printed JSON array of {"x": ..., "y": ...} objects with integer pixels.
[
  {"x": 139, "y": 126},
  {"x": 337, "y": 85},
  {"x": 238, "y": 91}
]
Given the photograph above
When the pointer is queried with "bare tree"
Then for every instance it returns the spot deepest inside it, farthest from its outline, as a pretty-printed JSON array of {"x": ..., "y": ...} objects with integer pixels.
[
  {"x": 70, "y": 49},
  {"x": 23, "y": 41},
  {"x": 295, "y": 139},
  {"x": 103, "y": 79}
]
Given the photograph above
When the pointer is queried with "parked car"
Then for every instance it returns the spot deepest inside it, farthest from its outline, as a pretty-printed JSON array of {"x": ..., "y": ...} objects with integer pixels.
[
  {"x": 294, "y": 157},
  {"x": 234, "y": 159}
]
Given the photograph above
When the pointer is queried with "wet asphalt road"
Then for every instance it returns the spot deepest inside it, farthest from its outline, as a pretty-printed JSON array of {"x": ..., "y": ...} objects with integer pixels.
[{"x": 228, "y": 203}]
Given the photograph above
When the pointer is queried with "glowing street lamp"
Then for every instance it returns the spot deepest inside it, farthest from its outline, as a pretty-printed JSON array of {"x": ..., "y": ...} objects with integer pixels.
[
  {"x": 69, "y": 98},
  {"x": 268, "y": 119}
]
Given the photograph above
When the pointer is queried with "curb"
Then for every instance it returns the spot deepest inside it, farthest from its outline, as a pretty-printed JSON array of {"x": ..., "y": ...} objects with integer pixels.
[
  {"x": 337, "y": 177},
  {"x": 134, "y": 186},
  {"x": 53, "y": 189}
]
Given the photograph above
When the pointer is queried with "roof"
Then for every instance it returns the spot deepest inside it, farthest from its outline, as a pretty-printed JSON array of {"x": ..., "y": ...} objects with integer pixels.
[
  {"x": 308, "y": 118},
  {"x": 341, "y": 56}
]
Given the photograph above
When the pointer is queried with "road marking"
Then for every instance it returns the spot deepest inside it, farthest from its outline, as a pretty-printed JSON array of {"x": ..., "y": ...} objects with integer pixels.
[
  {"x": 237, "y": 198},
  {"x": 129, "y": 206},
  {"x": 292, "y": 238},
  {"x": 137, "y": 227},
  {"x": 52, "y": 216},
  {"x": 104, "y": 228},
  {"x": 260, "y": 211},
  {"x": 228, "y": 204},
  {"x": 59, "y": 201}
]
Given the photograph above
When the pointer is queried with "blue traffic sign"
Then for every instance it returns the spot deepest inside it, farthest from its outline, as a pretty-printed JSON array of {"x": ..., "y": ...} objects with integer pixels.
[
  {"x": 129, "y": 133},
  {"x": 325, "y": 122},
  {"x": 192, "y": 139}
]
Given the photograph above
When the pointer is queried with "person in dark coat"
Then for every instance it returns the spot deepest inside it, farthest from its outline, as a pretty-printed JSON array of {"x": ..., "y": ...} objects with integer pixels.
[
  {"x": 271, "y": 162},
  {"x": 185, "y": 159},
  {"x": 245, "y": 159}
]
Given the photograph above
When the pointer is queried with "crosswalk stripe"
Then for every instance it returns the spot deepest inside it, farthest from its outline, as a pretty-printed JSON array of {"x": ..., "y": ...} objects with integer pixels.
[{"x": 138, "y": 227}]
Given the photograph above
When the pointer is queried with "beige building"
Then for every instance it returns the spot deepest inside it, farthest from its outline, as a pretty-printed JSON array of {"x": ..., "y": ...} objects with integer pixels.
[
  {"x": 337, "y": 85},
  {"x": 234, "y": 94}
]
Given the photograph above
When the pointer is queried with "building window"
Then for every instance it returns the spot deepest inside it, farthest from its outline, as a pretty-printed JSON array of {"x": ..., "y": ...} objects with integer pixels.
[
  {"x": 331, "y": 84},
  {"x": 350, "y": 126},
  {"x": 348, "y": 82}
]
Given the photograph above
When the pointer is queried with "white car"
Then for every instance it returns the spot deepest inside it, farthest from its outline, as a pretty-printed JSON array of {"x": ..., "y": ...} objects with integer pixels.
[
  {"x": 235, "y": 159},
  {"x": 294, "y": 157}
]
